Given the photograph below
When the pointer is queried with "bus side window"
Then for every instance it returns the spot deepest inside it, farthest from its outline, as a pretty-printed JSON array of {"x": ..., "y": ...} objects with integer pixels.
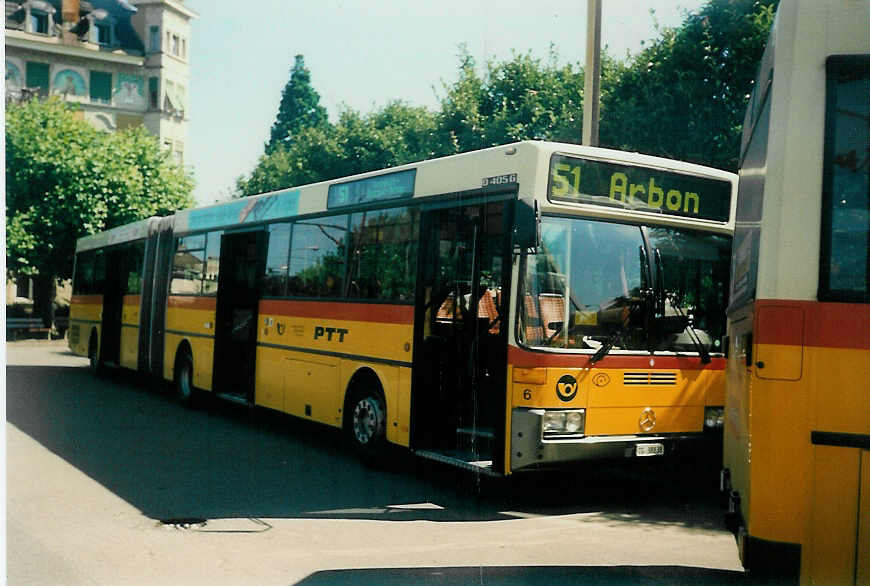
[
  {"x": 277, "y": 261},
  {"x": 212, "y": 262},
  {"x": 83, "y": 283},
  {"x": 134, "y": 259},
  {"x": 317, "y": 257},
  {"x": 187, "y": 266},
  {"x": 383, "y": 255}
]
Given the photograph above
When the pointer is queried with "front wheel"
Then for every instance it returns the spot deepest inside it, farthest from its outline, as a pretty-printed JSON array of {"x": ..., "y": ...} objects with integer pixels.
[{"x": 367, "y": 424}]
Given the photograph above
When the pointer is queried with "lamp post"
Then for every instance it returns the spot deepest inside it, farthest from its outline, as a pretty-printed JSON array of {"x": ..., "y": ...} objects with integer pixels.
[{"x": 592, "y": 82}]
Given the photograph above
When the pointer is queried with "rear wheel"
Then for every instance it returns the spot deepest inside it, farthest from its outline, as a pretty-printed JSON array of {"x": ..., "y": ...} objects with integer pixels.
[
  {"x": 367, "y": 423},
  {"x": 184, "y": 389},
  {"x": 93, "y": 354}
]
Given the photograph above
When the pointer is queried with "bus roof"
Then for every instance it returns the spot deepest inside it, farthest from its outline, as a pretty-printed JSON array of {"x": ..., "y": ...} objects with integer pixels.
[{"x": 524, "y": 164}]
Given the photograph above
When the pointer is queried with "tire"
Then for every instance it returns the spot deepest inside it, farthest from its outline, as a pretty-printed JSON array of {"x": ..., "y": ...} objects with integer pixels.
[
  {"x": 185, "y": 392},
  {"x": 94, "y": 364},
  {"x": 367, "y": 424}
]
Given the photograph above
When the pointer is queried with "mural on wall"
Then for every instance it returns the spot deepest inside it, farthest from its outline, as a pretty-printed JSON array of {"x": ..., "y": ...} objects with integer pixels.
[
  {"x": 69, "y": 82},
  {"x": 130, "y": 90},
  {"x": 13, "y": 77}
]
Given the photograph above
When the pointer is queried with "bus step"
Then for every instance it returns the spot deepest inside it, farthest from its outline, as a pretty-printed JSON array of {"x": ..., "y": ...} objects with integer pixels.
[
  {"x": 479, "y": 439},
  {"x": 232, "y": 398},
  {"x": 460, "y": 459}
]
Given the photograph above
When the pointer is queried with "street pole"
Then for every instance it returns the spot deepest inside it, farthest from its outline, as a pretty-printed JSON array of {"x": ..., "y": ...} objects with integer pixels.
[{"x": 592, "y": 83}]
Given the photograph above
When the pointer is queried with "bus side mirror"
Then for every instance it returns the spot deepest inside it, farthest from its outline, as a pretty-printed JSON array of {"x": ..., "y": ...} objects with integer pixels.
[{"x": 527, "y": 226}]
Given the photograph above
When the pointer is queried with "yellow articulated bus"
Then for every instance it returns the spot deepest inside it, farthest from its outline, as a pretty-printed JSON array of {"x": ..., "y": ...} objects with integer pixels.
[
  {"x": 797, "y": 422},
  {"x": 520, "y": 307}
]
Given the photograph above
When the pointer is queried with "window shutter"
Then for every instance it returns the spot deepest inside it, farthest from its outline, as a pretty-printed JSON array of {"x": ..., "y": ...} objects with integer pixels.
[
  {"x": 37, "y": 76},
  {"x": 101, "y": 86}
]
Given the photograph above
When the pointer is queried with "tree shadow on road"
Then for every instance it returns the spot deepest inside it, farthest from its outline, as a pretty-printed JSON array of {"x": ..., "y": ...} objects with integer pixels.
[{"x": 223, "y": 461}]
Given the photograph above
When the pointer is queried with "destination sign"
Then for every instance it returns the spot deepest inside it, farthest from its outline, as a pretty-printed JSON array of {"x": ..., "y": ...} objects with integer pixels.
[
  {"x": 644, "y": 189},
  {"x": 371, "y": 189}
]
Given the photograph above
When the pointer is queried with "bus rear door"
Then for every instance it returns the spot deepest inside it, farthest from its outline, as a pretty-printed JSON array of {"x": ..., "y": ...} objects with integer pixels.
[{"x": 242, "y": 261}]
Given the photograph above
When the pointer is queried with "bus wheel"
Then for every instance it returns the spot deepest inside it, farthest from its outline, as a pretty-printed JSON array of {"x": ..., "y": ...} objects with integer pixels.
[
  {"x": 93, "y": 354},
  {"x": 367, "y": 423},
  {"x": 184, "y": 389}
]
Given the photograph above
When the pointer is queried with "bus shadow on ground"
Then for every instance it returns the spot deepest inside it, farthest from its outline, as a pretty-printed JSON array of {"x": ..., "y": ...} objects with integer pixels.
[
  {"x": 222, "y": 461},
  {"x": 528, "y": 575}
]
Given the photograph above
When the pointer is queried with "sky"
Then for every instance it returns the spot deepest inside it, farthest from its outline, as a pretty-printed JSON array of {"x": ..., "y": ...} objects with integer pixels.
[{"x": 362, "y": 55}]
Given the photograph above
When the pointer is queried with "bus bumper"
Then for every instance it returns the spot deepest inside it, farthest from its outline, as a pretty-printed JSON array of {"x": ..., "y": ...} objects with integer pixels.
[{"x": 529, "y": 448}]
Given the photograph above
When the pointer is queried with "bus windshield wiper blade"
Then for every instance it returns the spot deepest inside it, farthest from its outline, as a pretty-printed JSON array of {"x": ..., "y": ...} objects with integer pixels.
[
  {"x": 605, "y": 347},
  {"x": 623, "y": 324},
  {"x": 693, "y": 335}
]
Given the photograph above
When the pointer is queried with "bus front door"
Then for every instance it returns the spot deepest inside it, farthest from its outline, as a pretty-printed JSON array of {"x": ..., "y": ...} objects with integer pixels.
[
  {"x": 460, "y": 338},
  {"x": 242, "y": 260}
]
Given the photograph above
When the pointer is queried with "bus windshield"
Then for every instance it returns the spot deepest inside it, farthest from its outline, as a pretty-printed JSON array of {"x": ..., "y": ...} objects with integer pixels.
[{"x": 590, "y": 274}]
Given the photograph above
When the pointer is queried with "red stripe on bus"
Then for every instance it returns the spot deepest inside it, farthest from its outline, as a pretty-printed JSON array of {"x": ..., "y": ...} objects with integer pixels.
[
  {"x": 372, "y": 312},
  {"x": 192, "y": 302},
  {"x": 132, "y": 300},
  {"x": 525, "y": 359},
  {"x": 812, "y": 323},
  {"x": 86, "y": 299}
]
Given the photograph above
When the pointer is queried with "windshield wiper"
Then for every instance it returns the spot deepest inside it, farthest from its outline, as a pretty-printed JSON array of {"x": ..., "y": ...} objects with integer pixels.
[
  {"x": 607, "y": 345},
  {"x": 664, "y": 296}
]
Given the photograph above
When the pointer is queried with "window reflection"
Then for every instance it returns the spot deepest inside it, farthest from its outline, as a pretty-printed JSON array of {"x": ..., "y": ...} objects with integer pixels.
[{"x": 317, "y": 257}]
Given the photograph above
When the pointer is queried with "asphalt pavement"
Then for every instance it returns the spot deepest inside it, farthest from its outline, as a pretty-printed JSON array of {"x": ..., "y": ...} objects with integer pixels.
[{"x": 109, "y": 481}]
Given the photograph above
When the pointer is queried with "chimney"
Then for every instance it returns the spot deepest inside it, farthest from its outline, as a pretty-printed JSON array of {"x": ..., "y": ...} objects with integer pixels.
[{"x": 70, "y": 13}]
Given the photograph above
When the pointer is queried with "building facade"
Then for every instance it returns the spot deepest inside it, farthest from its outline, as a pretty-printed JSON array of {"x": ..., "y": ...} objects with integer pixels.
[{"x": 124, "y": 62}]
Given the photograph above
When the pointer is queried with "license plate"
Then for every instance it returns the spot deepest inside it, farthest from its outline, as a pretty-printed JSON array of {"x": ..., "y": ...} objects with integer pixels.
[{"x": 649, "y": 450}]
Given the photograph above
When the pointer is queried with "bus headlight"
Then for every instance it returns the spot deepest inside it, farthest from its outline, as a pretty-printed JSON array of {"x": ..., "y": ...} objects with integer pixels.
[
  {"x": 714, "y": 417},
  {"x": 564, "y": 423}
]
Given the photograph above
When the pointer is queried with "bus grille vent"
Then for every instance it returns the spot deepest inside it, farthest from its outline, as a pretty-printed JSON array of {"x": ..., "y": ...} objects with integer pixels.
[{"x": 649, "y": 378}]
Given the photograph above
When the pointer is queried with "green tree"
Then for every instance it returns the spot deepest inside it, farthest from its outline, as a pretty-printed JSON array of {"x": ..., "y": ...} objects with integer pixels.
[
  {"x": 522, "y": 98},
  {"x": 684, "y": 96},
  {"x": 299, "y": 108},
  {"x": 393, "y": 135},
  {"x": 65, "y": 179},
  {"x": 681, "y": 97}
]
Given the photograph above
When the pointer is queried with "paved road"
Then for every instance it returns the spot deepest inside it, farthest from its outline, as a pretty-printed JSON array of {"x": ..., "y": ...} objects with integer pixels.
[{"x": 111, "y": 482}]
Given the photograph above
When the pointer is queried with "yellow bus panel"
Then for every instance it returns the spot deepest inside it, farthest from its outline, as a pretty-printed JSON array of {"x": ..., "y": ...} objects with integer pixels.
[
  {"x": 130, "y": 331},
  {"x": 834, "y": 522},
  {"x": 628, "y": 420},
  {"x": 85, "y": 315},
  {"x": 191, "y": 319}
]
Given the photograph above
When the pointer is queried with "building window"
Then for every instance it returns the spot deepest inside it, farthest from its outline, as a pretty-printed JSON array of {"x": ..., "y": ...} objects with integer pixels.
[
  {"x": 175, "y": 45},
  {"x": 153, "y": 92},
  {"x": 183, "y": 48},
  {"x": 169, "y": 97},
  {"x": 178, "y": 153},
  {"x": 38, "y": 22},
  {"x": 181, "y": 97},
  {"x": 104, "y": 33},
  {"x": 37, "y": 77},
  {"x": 101, "y": 87},
  {"x": 154, "y": 39}
]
